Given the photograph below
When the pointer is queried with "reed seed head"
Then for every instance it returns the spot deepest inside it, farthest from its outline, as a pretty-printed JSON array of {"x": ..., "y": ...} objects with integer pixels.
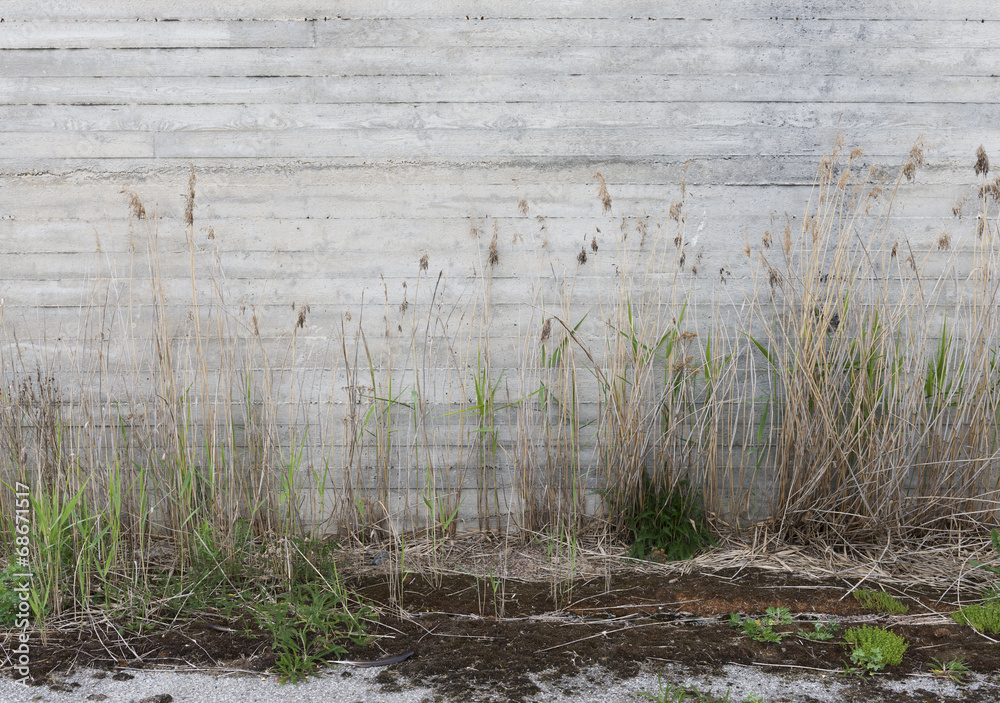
[
  {"x": 915, "y": 161},
  {"x": 546, "y": 331},
  {"x": 982, "y": 161},
  {"x": 991, "y": 190},
  {"x": 424, "y": 262},
  {"x": 676, "y": 208},
  {"x": 593, "y": 244},
  {"x": 826, "y": 167},
  {"x": 189, "y": 201},
  {"x": 944, "y": 241},
  {"x": 523, "y": 206},
  {"x": 773, "y": 277},
  {"x": 956, "y": 209},
  {"x": 300, "y": 322},
  {"x": 494, "y": 256},
  {"x": 581, "y": 258},
  {"x": 766, "y": 239},
  {"x": 135, "y": 205},
  {"x": 602, "y": 192}
]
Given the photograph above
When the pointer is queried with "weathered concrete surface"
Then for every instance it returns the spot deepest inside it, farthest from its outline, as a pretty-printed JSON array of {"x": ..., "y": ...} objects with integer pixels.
[{"x": 332, "y": 153}]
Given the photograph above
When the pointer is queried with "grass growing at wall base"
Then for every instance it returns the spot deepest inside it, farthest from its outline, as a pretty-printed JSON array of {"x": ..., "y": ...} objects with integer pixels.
[
  {"x": 667, "y": 524},
  {"x": 828, "y": 399}
]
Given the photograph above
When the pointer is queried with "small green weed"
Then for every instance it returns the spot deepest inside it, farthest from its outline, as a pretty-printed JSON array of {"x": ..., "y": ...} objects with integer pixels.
[
  {"x": 852, "y": 671},
  {"x": 822, "y": 632},
  {"x": 678, "y": 694},
  {"x": 665, "y": 694},
  {"x": 880, "y": 601},
  {"x": 776, "y": 616},
  {"x": 983, "y": 617},
  {"x": 668, "y": 525},
  {"x": 874, "y": 648},
  {"x": 307, "y": 626},
  {"x": 308, "y": 612},
  {"x": 954, "y": 669},
  {"x": 761, "y": 629},
  {"x": 311, "y": 621},
  {"x": 8, "y": 596},
  {"x": 867, "y": 660}
]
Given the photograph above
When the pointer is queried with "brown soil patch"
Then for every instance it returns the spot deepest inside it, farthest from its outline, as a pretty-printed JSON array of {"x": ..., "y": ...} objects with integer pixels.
[
  {"x": 462, "y": 646},
  {"x": 491, "y": 639},
  {"x": 468, "y": 639}
]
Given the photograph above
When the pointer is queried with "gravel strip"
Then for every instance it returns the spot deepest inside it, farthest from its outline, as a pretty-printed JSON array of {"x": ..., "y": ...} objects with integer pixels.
[{"x": 350, "y": 685}]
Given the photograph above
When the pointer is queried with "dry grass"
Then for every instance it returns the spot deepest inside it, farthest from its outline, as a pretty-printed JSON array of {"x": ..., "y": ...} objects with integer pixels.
[{"x": 843, "y": 392}]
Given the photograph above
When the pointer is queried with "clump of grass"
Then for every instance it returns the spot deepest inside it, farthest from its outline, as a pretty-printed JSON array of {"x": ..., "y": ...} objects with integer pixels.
[
  {"x": 665, "y": 693},
  {"x": 667, "y": 525},
  {"x": 880, "y": 601},
  {"x": 874, "y": 648},
  {"x": 954, "y": 669},
  {"x": 668, "y": 693},
  {"x": 302, "y": 602},
  {"x": 863, "y": 387},
  {"x": 315, "y": 617},
  {"x": 983, "y": 617}
]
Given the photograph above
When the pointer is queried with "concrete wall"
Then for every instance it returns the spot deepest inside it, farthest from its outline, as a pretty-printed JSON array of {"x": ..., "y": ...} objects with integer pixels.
[{"x": 335, "y": 144}]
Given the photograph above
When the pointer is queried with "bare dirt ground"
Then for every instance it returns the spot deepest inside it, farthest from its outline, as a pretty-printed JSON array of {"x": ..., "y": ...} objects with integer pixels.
[{"x": 492, "y": 622}]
